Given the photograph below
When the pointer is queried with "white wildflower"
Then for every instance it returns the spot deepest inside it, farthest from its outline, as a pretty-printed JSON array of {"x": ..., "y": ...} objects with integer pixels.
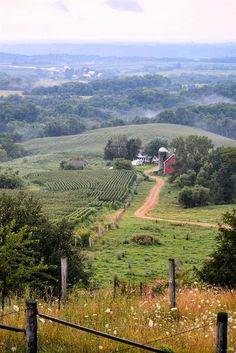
[
  {"x": 16, "y": 308},
  {"x": 150, "y": 323}
]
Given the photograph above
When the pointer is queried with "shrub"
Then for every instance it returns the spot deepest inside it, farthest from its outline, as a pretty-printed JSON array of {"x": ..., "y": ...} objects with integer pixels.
[
  {"x": 194, "y": 196},
  {"x": 121, "y": 163},
  {"x": 143, "y": 239},
  {"x": 220, "y": 269}
]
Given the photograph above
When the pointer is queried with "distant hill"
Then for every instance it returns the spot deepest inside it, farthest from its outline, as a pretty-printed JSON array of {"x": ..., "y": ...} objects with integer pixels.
[{"x": 157, "y": 50}]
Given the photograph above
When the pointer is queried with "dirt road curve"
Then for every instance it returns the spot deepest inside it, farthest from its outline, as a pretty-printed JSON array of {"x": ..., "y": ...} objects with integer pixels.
[{"x": 152, "y": 201}]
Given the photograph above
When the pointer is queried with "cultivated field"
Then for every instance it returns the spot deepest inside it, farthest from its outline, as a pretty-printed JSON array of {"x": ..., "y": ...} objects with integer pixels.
[{"x": 79, "y": 194}]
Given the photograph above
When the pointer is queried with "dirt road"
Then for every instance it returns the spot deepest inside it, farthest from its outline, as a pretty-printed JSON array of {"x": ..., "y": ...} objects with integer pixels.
[{"x": 152, "y": 201}]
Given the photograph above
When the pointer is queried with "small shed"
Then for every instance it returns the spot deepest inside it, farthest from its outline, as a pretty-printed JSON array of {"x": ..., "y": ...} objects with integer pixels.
[
  {"x": 168, "y": 165},
  {"x": 77, "y": 164}
]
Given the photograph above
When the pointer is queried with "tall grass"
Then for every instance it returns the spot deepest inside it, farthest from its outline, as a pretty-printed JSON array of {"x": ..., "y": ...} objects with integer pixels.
[{"x": 145, "y": 319}]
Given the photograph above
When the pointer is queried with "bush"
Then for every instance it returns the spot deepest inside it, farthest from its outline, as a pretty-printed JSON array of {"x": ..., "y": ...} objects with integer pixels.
[
  {"x": 194, "y": 196},
  {"x": 121, "y": 163},
  {"x": 220, "y": 269},
  {"x": 143, "y": 239},
  {"x": 10, "y": 179}
]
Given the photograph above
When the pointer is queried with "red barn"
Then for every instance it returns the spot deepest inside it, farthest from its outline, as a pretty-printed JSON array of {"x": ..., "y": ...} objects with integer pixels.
[{"x": 168, "y": 165}]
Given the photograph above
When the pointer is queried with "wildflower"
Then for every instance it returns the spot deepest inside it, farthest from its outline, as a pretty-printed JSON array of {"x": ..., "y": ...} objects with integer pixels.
[
  {"x": 13, "y": 349},
  {"x": 107, "y": 325},
  {"x": 108, "y": 310},
  {"x": 150, "y": 323},
  {"x": 16, "y": 308},
  {"x": 100, "y": 347},
  {"x": 115, "y": 332}
]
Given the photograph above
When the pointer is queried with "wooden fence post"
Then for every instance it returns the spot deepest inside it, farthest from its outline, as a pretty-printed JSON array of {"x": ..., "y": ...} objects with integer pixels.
[
  {"x": 172, "y": 283},
  {"x": 221, "y": 333},
  {"x": 31, "y": 326},
  {"x": 64, "y": 275}
]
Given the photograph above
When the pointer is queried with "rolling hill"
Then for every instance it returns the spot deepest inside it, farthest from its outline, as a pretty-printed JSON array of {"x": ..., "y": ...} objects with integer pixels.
[{"x": 46, "y": 153}]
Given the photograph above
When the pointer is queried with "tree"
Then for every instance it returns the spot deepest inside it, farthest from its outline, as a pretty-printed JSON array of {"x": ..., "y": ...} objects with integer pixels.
[
  {"x": 51, "y": 240},
  {"x": 152, "y": 148},
  {"x": 133, "y": 145},
  {"x": 116, "y": 147},
  {"x": 218, "y": 174},
  {"x": 190, "y": 153},
  {"x": 121, "y": 163},
  {"x": 19, "y": 265},
  {"x": 220, "y": 268}
]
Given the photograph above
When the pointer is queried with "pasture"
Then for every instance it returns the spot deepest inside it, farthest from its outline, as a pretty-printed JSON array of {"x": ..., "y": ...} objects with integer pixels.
[
  {"x": 169, "y": 208},
  {"x": 117, "y": 253}
]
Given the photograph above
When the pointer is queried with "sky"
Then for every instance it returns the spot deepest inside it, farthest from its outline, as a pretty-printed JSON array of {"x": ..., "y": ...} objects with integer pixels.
[{"x": 202, "y": 21}]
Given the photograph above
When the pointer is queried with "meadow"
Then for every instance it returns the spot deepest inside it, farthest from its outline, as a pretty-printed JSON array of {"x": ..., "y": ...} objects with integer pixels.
[
  {"x": 145, "y": 319},
  {"x": 45, "y": 154}
]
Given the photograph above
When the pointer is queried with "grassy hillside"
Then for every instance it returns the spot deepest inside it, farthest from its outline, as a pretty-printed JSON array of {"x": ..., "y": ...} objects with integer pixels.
[
  {"x": 46, "y": 153},
  {"x": 169, "y": 208},
  {"x": 117, "y": 253}
]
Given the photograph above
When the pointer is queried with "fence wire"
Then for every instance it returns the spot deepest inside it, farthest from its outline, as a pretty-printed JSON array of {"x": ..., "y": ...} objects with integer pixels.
[{"x": 164, "y": 338}]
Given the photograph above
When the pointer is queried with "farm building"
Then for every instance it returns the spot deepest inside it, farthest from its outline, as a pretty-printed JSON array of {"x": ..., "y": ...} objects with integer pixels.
[
  {"x": 168, "y": 165},
  {"x": 76, "y": 164},
  {"x": 163, "y": 154}
]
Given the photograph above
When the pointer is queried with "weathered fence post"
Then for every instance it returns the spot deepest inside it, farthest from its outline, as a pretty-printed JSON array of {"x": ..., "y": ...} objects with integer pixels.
[
  {"x": 64, "y": 275},
  {"x": 31, "y": 326},
  {"x": 221, "y": 333},
  {"x": 172, "y": 283}
]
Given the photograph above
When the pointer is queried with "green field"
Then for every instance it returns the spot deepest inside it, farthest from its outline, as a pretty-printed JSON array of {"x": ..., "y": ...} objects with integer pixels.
[
  {"x": 80, "y": 194},
  {"x": 169, "y": 208},
  {"x": 116, "y": 253},
  {"x": 46, "y": 153}
]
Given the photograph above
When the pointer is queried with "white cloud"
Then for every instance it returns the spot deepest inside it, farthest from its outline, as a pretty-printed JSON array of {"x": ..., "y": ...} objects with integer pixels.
[{"x": 125, "y": 5}]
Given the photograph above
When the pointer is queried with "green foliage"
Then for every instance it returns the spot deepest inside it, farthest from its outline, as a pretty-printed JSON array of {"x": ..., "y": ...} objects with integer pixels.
[
  {"x": 152, "y": 148},
  {"x": 220, "y": 269},
  {"x": 194, "y": 196},
  {"x": 190, "y": 153},
  {"x": 9, "y": 149},
  {"x": 20, "y": 265},
  {"x": 219, "y": 118},
  {"x": 51, "y": 241},
  {"x": 10, "y": 179},
  {"x": 55, "y": 127},
  {"x": 121, "y": 147},
  {"x": 186, "y": 179},
  {"x": 121, "y": 163},
  {"x": 218, "y": 174}
]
